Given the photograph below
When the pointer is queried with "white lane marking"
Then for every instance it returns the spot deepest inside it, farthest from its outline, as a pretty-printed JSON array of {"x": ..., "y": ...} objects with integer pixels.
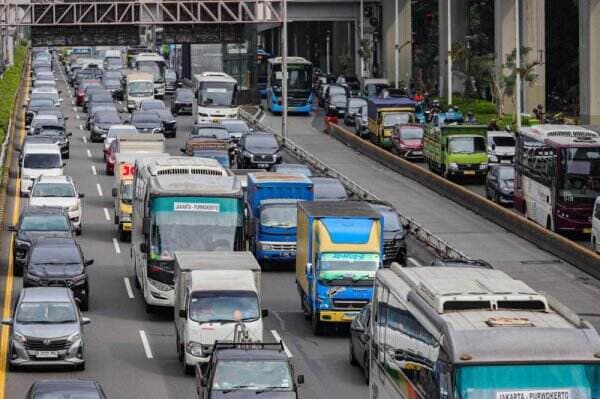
[
  {"x": 414, "y": 262},
  {"x": 99, "y": 189},
  {"x": 128, "y": 287},
  {"x": 116, "y": 245},
  {"x": 84, "y": 139},
  {"x": 80, "y": 127},
  {"x": 278, "y": 339},
  {"x": 94, "y": 170},
  {"x": 106, "y": 215},
  {"x": 77, "y": 116},
  {"x": 89, "y": 153},
  {"x": 74, "y": 109},
  {"x": 146, "y": 344},
  {"x": 72, "y": 101}
]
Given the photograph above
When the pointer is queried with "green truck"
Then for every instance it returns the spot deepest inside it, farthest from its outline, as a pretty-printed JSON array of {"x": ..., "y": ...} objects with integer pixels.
[{"x": 456, "y": 150}]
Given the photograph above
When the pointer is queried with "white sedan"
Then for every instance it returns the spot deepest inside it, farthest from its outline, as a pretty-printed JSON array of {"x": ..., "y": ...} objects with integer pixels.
[{"x": 58, "y": 191}]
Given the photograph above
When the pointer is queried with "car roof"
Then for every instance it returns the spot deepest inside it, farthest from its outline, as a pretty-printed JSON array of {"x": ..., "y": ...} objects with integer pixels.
[
  {"x": 40, "y": 148},
  {"x": 41, "y": 386},
  {"x": 46, "y": 294},
  {"x": 146, "y": 113},
  {"x": 43, "y": 210},
  {"x": 55, "y": 179}
]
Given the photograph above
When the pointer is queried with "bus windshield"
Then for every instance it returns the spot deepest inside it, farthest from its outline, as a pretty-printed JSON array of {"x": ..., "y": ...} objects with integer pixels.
[
  {"x": 217, "y": 94},
  {"x": 156, "y": 68},
  {"x": 542, "y": 381},
  {"x": 299, "y": 76},
  {"x": 580, "y": 175},
  {"x": 193, "y": 223}
]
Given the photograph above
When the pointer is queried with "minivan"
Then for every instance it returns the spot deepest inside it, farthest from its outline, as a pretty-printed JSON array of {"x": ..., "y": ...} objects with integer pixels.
[{"x": 39, "y": 160}]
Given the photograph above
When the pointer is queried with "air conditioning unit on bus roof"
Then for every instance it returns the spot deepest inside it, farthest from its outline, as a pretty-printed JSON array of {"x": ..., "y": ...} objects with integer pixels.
[{"x": 187, "y": 166}]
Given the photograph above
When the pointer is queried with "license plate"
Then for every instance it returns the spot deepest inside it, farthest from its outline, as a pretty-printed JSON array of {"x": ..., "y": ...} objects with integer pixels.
[
  {"x": 350, "y": 316},
  {"x": 216, "y": 120},
  {"x": 263, "y": 165},
  {"x": 587, "y": 230},
  {"x": 417, "y": 153},
  {"x": 469, "y": 172},
  {"x": 46, "y": 355},
  {"x": 505, "y": 161}
]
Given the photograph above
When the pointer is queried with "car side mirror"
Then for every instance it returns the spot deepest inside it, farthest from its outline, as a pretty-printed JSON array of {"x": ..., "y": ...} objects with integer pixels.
[
  {"x": 309, "y": 268},
  {"x": 7, "y": 322},
  {"x": 264, "y": 312},
  {"x": 182, "y": 150},
  {"x": 89, "y": 262},
  {"x": 85, "y": 321},
  {"x": 81, "y": 195},
  {"x": 69, "y": 134},
  {"x": 12, "y": 228},
  {"x": 146, "y": 225},
  {"x": 180, "y": 84},
  {"x": 143, "y": 247},
  {"x": 182, "y": 313},
  {"x": 493, "y": 146},
  {"x": 300, "y": 379},
  {"x": 114, "y": 192}
]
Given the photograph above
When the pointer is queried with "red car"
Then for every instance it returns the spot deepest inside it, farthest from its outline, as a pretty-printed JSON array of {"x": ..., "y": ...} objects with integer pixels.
[
  {"x": 407, "y": 141},
  {"x": 110, "y": 156},
  {"x": 80, "y": 92}
]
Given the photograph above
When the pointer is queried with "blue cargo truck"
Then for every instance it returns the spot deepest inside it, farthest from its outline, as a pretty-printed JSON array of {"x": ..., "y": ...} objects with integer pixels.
[{"x": 272, "y": 200}]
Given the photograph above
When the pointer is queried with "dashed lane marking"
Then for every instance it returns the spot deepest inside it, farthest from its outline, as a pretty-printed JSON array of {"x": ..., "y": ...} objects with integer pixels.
[
  {"x": 278, "y": 339},
  {"x": 146, "y": 344},
  {"x": 99, "y": 189},
  {"x": 94, "y": 170},
  {"x": 106, "y": 214},
  {"x": 116, "y": 245},
  {"x": 128, "y": 287}
]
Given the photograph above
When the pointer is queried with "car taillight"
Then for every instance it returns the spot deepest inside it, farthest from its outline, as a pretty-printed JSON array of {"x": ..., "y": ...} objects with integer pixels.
[{"x": 111, "y": 158}]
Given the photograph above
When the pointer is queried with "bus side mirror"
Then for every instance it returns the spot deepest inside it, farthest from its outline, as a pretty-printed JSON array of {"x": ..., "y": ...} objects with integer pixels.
[{"x": 146, "y": 225}]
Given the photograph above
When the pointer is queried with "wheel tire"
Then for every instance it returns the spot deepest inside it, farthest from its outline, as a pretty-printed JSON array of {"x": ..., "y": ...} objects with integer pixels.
[
  {"x": 305, "y": 311},
  {"x": 136, "y": 282},
  {"x": 497, "y": 198},
  {"x": 594, "y": 244},
  {"x": 352, "y": 358},
  {"x": 80, "y": 367},
  {"x": 317, "y": 325},
  {"x": 79, "y": 230},
  {"x": 67, "y": 155},
  {"x": 366, "y": 367},
  {"x": 17, "y": 269},
  {"x": 123, "y": 235},
  {"x": 85, "y": 304},
  {"x": 549, "y": 224},
  {"x": 150, "y": 309}
]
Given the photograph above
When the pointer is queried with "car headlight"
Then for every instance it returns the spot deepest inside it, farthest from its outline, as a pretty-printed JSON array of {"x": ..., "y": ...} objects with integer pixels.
[
  {"x": 194, "y": 348},
  {"x": 73, "y": 208},
  {"x": 33, "y": 278},
  {"x": 483, "y": 166},
  {"x": 126, "y": 218},
  {"x": 160, "y": 286},
  {"x": 493, "y": 158},
  {"x": 20, "y": 338},
  {"x": 265, "y": 246},
  {"x": 333, "y": 106},
  {"x": 248, "y": 154},
  {"x": 324, "y": 302},
  {"x": 76, "y": 336},
  {"x": 453, "y": 166},
  {"x": 77, "y": 279},
  {"x": 22, "y": 244}
]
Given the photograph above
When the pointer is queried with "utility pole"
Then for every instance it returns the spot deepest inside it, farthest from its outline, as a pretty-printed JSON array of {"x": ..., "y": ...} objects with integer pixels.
[
  {"x": 396, "y": 47},
  {"x": 284, "y": 71},
  {"x": 362, "y": 36},
  {"x": 518, "y": 62},
  {"x": 450, "y": 54},
  {"x": 328, "y": 39}
]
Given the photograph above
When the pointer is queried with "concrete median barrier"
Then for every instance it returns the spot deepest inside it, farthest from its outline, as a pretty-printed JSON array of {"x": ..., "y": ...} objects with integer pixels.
[{"x": 571, "y": 252}]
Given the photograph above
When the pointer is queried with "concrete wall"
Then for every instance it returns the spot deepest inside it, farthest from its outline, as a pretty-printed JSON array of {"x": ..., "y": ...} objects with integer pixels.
[
  {"x": 589, "y": 61},
  {"x": 533, "y": 28},
  {"x": 504, "y": 36},
  {"x": 404, "y": 40}
]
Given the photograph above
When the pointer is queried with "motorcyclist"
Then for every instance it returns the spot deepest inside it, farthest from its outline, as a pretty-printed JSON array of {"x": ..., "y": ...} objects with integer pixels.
[
  {"x": 493, "y": 125},
  {"x": 471, "y": 119}
]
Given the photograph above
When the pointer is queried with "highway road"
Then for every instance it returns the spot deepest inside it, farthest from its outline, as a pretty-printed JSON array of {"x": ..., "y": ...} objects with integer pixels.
[{"x": 133, "y": 353}]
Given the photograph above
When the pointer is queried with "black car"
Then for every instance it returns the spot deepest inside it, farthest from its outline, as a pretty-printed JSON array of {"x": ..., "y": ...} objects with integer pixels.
[
  {"x": 36, "y": 222},
  {"x": 166, "y": 117},
  {"x": 96, "y": 108},
  {"x": 183, "y": 102},
  {"x": 95, "y": 98},
  {"x": 111, "y": 80},
  {"x": 34, "y": 106},
  {"x": 210, "y": 130},
  {"x": 59, "y": 389},
  {"x": 394, "y": 234},
  {"x": 53, "y": 261},
  {"x": 101, "y": 121},
  {"x": 353, "y": 85},
  {"x": 354, "y": 105},
  {"x": 247, "y": 370},
  {"x": 54, "y": 111},
  {"x": 360, "y": 340},
  {"x": 57, "y": 132},
  {"x": 328, "y": 189},
  {"x": 147, "y": 121},
  {"x": 500, "y": 184},
  {"x": 258, "y": 151}
]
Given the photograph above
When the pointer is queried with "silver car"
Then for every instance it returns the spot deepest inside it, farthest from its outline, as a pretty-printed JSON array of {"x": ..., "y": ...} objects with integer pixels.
[{"x": 46, "y": 329}]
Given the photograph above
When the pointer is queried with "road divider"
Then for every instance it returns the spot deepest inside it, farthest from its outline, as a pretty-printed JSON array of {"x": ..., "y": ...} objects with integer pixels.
[{"x": 569, "y": 251}]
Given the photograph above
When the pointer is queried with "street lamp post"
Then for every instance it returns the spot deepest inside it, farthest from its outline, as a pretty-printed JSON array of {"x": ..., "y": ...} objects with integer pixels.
[
  {"x": 362, "y": 36},
  {"x": 397, "y": 47},
  {"x": 327, "y": 60},
  {"x": 518, "y": 64},
  {"x": 449, "y": 54},
  {"x": 284, "y": 71}
]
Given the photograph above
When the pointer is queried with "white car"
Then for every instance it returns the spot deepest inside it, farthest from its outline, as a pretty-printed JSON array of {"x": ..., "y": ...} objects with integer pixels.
[
  {"x": 113, "y": 132},
  {"x": 58, "y": 191},
  {"x": 41, "y": 120},
  {"x": 501, "y": 147},
  {"x": 39, "y": 160}
]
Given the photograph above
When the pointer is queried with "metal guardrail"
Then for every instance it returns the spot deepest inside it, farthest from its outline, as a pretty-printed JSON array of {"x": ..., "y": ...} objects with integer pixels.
[{"x": 418, "y": 231}]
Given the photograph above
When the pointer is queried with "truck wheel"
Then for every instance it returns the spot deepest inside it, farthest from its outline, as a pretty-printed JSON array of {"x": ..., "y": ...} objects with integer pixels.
[
  {"x": 122, "y": 234},
  {"x": 305, "y": 311},
  {"x": 150, "y": 308},
  {"x": 317, "y": 325}
]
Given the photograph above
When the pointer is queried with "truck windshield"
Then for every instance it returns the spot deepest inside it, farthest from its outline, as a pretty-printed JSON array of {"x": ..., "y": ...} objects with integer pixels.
[
  {"x": 541, "y": 381},
  {"x": 466, "y": 145},
  {"x": 348, "y": 261},
  {"x": 127, "y": 192},
  {"x": 224, "y": 306},
  {"x": 193, "y": 223},
  {"x": 278, "y": 215},
  {"x": 252, "y": 375},
  {"x": 580, "y": 175},
  {"x": 216, "y": 94},
  {"x": 156, "y": 68},
  {"x": 394, "y": 119},
  {"x": 142, "y": 89}
]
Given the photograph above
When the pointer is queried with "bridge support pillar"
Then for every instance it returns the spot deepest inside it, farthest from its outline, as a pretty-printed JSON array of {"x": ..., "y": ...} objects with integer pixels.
[
  {"x": 459, "y": 31},
  {"x": 404, "y": 49},
  {"x": 589, "y": 61}
]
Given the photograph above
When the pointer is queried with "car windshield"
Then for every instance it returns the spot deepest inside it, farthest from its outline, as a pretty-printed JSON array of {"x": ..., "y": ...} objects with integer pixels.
[
  {"x": 45, "y": 223},
  {"x": 216, "y": 94},
  {"x": 108, "y": 117},
  {"x": 356, "y": 264},
  {"x": 252, "y": 375},
  {"x": 401, "y": 118},
  {"x": 263, "y": 143},
  {"x": 329, "y": 190},
  {"x": 339, "y": 99},
  {"x": 210, "y": 306},
  {"x": 278, "y": 215},
  {"x": 503, "y": 141},
  {"x": 53, "y": 190},
  {"x": 236, "y": 126},
  {"x": 41, "y": 102},
  {"x": 46, "y": 313},
  {"x": 140, "y": 88},
  {"x": 113, "y": 75},
  {"x": 217, "y": 133},
  {"x": 506, "y": 173},
  {"x": 411, "y": 133},
  {"x": 111, "y": 82},
  {"x": 356, "y": 103},
  {"x": 528, "y": 381},
  {"x": 145, "y": 118},
  {"x": 184, "y": 95},
  {"x": 42, "y": 161},
  {"x": 60, "y": 255},
  {"x": 466, "y": 145},
  {"x": 337, "y": 90},
  {"x": 127, "y": 192},
  {"x": 580, "y": 169},
  {"x": 193, "y": 223},
  {"x": 152, "y": 105}
]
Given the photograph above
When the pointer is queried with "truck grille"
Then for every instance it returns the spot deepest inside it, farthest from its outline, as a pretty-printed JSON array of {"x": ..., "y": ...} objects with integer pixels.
[
  {"x": 342, "y": 304},
  {"x": 468, "y": 166},
  {"x": 263, "y": 158},
  {"x": 284, "y": 246},
  {"x": 39, "y": 344}
]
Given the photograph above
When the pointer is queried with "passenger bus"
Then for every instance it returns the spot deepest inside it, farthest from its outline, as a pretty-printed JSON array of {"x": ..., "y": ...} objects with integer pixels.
[
  {"x": 469, "y": 333},
  {"x": 132, "y": 52},
  {"x": 262, "y": 71},
  {"x": 557, "y": 176},
  {"x": 300, "y": 95},
  {"x": 156, "y": 65},
  {"x": 181, "y": 204}
]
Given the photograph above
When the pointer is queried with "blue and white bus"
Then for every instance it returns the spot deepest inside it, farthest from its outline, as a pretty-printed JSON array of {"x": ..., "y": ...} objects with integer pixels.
[{"x": 300, "y": 96}]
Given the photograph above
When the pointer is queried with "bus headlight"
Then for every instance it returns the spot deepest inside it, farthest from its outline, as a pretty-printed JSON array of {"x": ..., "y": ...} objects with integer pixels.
[{"x": 160, "y": 286}]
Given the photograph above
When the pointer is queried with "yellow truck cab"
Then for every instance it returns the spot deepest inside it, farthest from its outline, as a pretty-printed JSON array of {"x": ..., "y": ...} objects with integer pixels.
[{"x": 384, "y": 113}]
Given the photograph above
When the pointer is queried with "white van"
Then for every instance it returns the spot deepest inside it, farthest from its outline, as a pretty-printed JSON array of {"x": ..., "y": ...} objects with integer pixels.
[
  {"x": 215, "y": 294},
  {"x": 140, "y": 86},
  {"x": 217, "y": 97},
  {"x": 501, "y": 147},
  {"x": 596, "y": 226},
  {"x": 39, "y": 160}
]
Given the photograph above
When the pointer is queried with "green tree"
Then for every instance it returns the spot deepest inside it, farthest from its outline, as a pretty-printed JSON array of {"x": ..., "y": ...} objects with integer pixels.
[
  {"x": 526, "y": 70},
  {"x": 366, "y": 52}
]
